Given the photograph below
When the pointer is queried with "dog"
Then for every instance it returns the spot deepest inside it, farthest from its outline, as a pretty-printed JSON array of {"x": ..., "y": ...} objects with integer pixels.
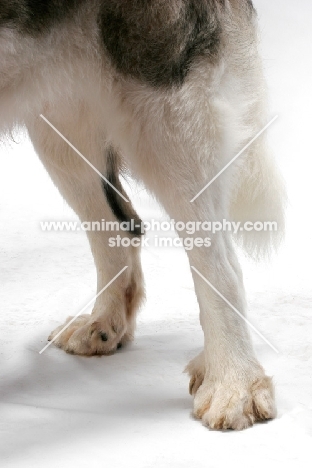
[{"x": 171, "y": 91}]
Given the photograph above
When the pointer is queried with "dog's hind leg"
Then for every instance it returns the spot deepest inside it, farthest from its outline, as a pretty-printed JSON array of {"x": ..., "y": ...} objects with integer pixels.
[
  {"x": 112, "y": 321},
  {"x": 230, "y": 387}
]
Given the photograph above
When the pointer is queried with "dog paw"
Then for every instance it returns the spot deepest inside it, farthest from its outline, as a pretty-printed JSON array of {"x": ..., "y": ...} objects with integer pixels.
[
  {"x": 234, "y": 404},
  {"x": 87, "y": 336},
  {"x": 196, "y": 371}
]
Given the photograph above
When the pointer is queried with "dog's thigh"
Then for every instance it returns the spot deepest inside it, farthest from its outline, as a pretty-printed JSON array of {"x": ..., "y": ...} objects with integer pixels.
[{"x": 112, "y": 321}]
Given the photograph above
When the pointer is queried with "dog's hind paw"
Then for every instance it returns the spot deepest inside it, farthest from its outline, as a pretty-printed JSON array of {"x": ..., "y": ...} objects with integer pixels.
[
  {"x": 235, "y": 404},
  {"x": 87, "y": 336}
]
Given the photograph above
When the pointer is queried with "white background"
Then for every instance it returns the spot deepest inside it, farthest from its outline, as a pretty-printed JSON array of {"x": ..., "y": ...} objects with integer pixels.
[{"x": 133, "y": 408}]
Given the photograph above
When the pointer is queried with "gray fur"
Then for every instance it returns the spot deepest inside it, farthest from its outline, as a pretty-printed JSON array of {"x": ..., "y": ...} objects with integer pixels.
[
  {"x": 36, "y": 16},
  {"x": 157, "y": 41},
  {"x": 121, "y": 209}
]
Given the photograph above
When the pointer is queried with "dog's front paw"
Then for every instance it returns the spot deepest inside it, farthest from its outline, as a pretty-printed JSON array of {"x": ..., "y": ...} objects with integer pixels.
[
  {"x": 235, "y": 404},
  {"x": 87, "y": 336}
]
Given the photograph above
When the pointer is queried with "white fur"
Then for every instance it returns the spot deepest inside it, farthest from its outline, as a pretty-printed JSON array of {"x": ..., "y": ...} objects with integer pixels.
[{"x": 175, "y": 141}]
